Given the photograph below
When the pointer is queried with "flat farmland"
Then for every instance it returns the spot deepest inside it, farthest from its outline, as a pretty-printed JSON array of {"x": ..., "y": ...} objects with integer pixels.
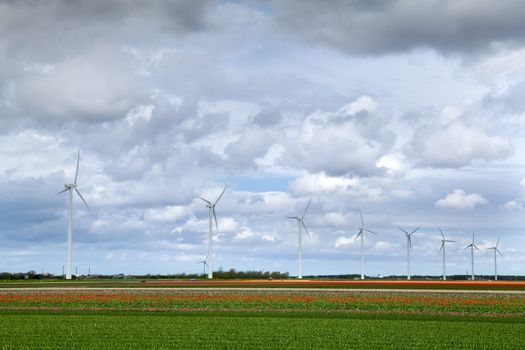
[
  {"x": 258, "y": 317},
  {"x": 305, "y": 283}
]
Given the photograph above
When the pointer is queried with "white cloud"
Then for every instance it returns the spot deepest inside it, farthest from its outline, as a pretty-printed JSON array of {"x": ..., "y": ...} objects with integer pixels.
[
  {"x": 512, "y": 205},
  {"x": 395, "y": 164},
  {"x": 386, "y": 247},
  {"x": 335, "y": 219},
  {"x": 140, "y": 112},
  {"x": 363, "y": 103},
  {"x": 325, "y": 143},
  {"x": 41, "y": 68},
  {"x": 344, "y": 242},
  {"x": 227, "y": 224},
  {"x": 322, "y": 183},
  {"x": 502, "y": 70},
  {"x": 167, "y": 214},
  {"x": 244, "y": 233},
  {"x": 460, "y": 200},
  {"x": 457, "y": 145}
]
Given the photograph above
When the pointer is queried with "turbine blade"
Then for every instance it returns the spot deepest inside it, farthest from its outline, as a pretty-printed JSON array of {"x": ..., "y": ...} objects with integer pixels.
[
  {"x": 76, "y": 172},
  {"x": 62, "y": 191},
  {"x": 497, "y": 243},
  {"x": 307, "y": 206},
  {"x": 499, "y": 252},
  {"x": 215, "y": 217},
  {"x": 224, "y": 190},
  {"x": 358, "y": 234},
  {"x": 409, "y": 241},
  {"x": 362, "y": 221},
  {"x": 367, "y": 230},
  {"x": 414, "y": 231},
  {"x": 472, "y": 237},
  {"x": 442, "y": 235},
  {"x": 402, "y": 230},
  {"x": 83, "y": 200},
  {"x": 470, "y": 245},
  {"x": 307, "y": 232},
  {"x": 442, "y": 245},
  {"x": 475, "y": 246},
  {"x": 205, "y": 200},
  {"x": 293, "y": 217}
]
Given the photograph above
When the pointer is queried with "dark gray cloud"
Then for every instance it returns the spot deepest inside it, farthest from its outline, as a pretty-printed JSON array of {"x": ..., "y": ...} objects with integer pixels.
[{"x": 379, "y": 27}]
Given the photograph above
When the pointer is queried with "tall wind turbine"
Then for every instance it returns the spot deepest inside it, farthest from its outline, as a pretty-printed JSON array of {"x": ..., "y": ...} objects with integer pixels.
[
  {"x": 472, "y": 246},
  {"x": 496, "y": 259},
  {"x": 361, "y": 233},
  {"x": 443, "y": 242},
  {"x": 409, "y": 247},
  {"x": 300, "y": 225},
  {"x": 211, "y": 213},
  {"x": 70, "y": 188}
]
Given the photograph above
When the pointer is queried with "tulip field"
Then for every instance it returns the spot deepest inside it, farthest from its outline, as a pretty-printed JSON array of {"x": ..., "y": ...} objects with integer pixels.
[{"x": 255, "y": 318}]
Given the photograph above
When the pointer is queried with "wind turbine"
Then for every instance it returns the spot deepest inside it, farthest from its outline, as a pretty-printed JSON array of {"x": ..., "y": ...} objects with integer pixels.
[
  {"x": 443, "y": 241},
  {"x": 71, "y": 187},
  {"x": 496, "y": 260},
  {"x": 211, "y": 213},
  {"x": 409, "y": 246},
  {"x": 204, "y": 264},
  {"x": 472, "y": 246},
  {"x": 361, "y": 233},
  {"x": 300, "y": 225}
]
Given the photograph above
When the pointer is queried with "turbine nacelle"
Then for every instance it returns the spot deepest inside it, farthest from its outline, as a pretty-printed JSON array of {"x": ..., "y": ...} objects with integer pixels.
[
  {"x": 472, "y": 245},
  {"x": 495, "y": 248},
  {"x": 409, "y": 234},
  {"x": 444, "y": 240}
]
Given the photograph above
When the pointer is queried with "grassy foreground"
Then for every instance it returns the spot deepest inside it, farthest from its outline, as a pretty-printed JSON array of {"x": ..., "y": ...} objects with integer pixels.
[{"x": 26, "y": 330}]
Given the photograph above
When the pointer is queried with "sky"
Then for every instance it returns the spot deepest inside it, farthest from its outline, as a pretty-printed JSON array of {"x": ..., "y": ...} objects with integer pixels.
[{"x": 411, "y": 111}]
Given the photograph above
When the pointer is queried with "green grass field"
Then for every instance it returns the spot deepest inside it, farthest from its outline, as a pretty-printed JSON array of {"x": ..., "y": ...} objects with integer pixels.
[{"x": 134, "y": 330}]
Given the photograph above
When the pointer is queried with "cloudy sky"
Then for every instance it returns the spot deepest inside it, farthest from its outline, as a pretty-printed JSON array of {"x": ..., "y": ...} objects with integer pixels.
[{"x": 412, "y": 111}]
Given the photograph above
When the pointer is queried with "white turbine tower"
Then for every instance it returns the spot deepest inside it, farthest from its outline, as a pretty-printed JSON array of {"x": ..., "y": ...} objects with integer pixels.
[
  {"x": 71, "y": 187},
  {"x": 472, "y": 246},
  {"x": 409, "y": 247},
  {"x": 443, "y": 241},
  {"x": 300, "y": 225},
  {"x": 361, "y": 233},
  {"x": 211, "y": 213},
  {"x": 495, "y": 248}
]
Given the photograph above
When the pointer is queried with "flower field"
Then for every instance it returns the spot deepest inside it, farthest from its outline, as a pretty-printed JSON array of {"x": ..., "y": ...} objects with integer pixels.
[
  {"x": 329, "y": 301},
  {"x": 233, "y": 318}
]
